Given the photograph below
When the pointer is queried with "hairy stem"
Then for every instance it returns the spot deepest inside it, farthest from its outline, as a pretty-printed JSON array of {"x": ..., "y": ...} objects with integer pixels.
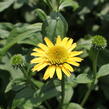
[{"x": 93, "y": 83}]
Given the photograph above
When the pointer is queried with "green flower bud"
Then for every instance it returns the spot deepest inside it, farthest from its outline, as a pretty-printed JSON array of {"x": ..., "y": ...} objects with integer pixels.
[
  {"x": 17, "y": 60},
  {"x": 99, "y": 41}
]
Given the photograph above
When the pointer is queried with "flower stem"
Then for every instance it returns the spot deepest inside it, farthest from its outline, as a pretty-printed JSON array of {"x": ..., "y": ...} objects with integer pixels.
[
  {"x": 86, "y": 95},
  {"x": 62, "y": 91},
  {"x": 93, "y": 83},
  {"x": 23, "y": 71}
]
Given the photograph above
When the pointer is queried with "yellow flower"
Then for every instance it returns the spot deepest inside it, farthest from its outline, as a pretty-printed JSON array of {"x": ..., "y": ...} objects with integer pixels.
[{"x": 57, "y": 57}]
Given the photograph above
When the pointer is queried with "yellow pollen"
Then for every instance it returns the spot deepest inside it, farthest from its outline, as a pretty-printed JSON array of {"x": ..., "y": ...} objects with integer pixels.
[{"x": 57, "y": 55}]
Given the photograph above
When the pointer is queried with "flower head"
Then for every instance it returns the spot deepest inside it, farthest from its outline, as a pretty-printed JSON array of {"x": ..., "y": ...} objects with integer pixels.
[
  {"x": 99, "y": 41},
  {"x": 57, "y": 57},
  {"x": 17, "y": 60}
]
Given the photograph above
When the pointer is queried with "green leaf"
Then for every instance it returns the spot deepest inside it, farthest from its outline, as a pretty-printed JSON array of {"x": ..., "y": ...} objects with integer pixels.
[
  {"x": 19, "y": 3},
  {"x": 48, "y": 2},
  {"x": 4, "y": 79},
  {"x": 6, "y": 65},
  {"x": 55, "y": 25},
  {"x": 15, "y": 84},
  {"x": 48, "y": 91},
  {"x": 36, "y": 97},
  {"x": 28, "y": 105},
  {"x": 4, "y": 33},
  {"x": 72, "y": 106},
  {"x": 32, "y": 40},
  {"x": 48, "y": 28},
  {"x": 67, "y": 3},
  {"x": 19, "y": 34},
  {"x": 14, "y": 74},
  {"x": 38, "y": 84},
  {"x": 52, "y": 4},
  {"x": 83, "y": 79},
  {"x": 84, "y": 43},
  {"x": 103, "y": 71},
  {"x": 4, "y": 5},
  {"x": 104, "y": 13},
  {"x": 61, "y": 26},
  {"x": 23, "y": 97},
  {"x": 41, "y": 14},
  {"x": 68, "y": 94},
  {"x": 70, "y": 81},
  {"x": 5, "y": 29}
]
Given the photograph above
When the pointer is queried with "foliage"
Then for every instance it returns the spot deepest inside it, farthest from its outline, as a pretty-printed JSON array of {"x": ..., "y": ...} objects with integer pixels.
[{"x": 24, "y": 24}]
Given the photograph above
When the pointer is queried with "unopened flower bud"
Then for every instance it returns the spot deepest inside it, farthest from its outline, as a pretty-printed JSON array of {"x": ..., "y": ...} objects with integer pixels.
[
  {"x": 17, "y": 60},
  {"x": 99, "y": 41}
]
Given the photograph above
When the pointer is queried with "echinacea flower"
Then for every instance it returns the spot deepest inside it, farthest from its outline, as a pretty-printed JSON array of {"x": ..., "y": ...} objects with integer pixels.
[{"x": 57, "y": 57}]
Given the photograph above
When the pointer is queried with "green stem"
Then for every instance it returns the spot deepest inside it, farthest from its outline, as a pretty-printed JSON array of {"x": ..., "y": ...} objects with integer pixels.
[
  {"x": 62, "y": 91},
  {"x": 23, "y": 71},
  {"x": 95, "y": 65},
  {"x": 87, "y": 95},
  {"x": 93, "y": 83}
]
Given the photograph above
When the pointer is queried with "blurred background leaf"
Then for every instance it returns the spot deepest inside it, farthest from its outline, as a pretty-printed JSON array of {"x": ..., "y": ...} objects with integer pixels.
[{"x": 5, "y": 4}]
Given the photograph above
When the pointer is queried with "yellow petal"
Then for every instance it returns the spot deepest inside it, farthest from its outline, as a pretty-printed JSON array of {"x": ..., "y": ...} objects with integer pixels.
[
  {"x": 77, "y": 59},
  {"x": 75, "y": 53},
  {"x": 69, "y": 67},
  {"x": 69, "y": 43},
  {"x": 39, "y": 67},
  {"x": 43, "y": 47},
  {"x": 37, "y": 54},
  {"x": 64, "y": 41},
  {"x": 42, "y": 66},
  {"x": 46, "y": 74},
  {"x": 58, "y": 40},
  {"x": 38, "y": 50},
  {"x": 72, "y": 46},
  {"x": 66, "y": 71},
  {"x": 35, "y": 67},
  {"x": 52, "y": 71},
  {"x": 36, "y": 60},
  {"x": 59, "y": 73},
  {"x": 73, "y": 63},
  {"x": 48, "y": 42}
]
